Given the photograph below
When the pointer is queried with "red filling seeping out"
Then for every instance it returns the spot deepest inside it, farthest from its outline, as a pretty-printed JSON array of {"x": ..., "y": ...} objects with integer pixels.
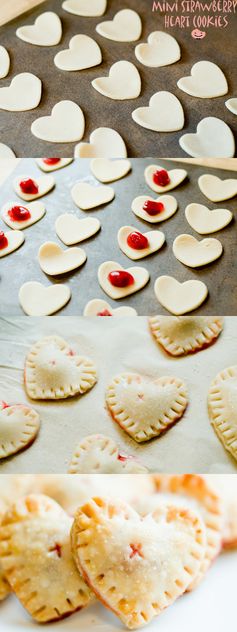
[
  {"x": 153, "y": 208},
  {"x": 136, "y": 549},
  {"x": 29, "y": 186},
  {"x": 51, "y": 161},
  {"x": 122, "y": 457},
  {"x": 120, "y": 278},
  {"x": 105, "y": 312},
  {"x": 161, "y": 177},
  {"x": 3, "y": 405},
  {"x": 137, "y": 240},
  {"x": 19, "y": 214},
  {"x": 3, "y": 240}
]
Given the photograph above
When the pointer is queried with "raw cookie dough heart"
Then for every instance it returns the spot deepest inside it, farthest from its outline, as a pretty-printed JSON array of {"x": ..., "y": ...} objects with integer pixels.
[
  {"x": 106, "y": 170},
  {"x": 206, "y": 81},
  {"x": 87, "y": 196},
  {"x": 231, "y": 105},
  {"x": 54, "y": 371},
  {"x": 36, "y": 210},
  {"x": 181, "y": 335},
  {"x": 164, "y": 113},
  {"x": 46, "y": 31},
  {"x": 19, "y": 426},
  {"x": 98, "y": 307},
  {"x": 94, "y": 8},
  {"x": 206, "y": 221},
  {"x": 43, "y": 183},
  {"x": 38, "y": 300},
  {"x": 23, "y": 93},
  {"x": 213, "y": 138},
  {"x": 175, "y": 176},
  {"x": 36, "y": 553},
  {"x": 216, "y": 189},
  {"x": 162, "y": 50},
  {"x": 10, "y": 241},
  {"x": 180, "y": 298},
  {"x": 222, "y": 406},
  {"x": 132, "y": 279},
  {"x": 154, "y": 241},
  {"x": 65, "y": 124},
  {"x": 6, "y": 152},
  {"x": 126, "y": 26},
  {"x": 123, "y": 82},
  {"x": 4, "y": 62},
  {"x": 100, "y": 454},
  {"x": 50, "y": 164},
  {"x": 54, "y": 260},
  {"x": 83, "y": 52},
  {"x": 159, "y": 209},
  {"x": 194, "y": 253},
  {"x": 129, "y": 551},
  {"x": 104, "y": 142},
  {"x": 72, "y": 230}
]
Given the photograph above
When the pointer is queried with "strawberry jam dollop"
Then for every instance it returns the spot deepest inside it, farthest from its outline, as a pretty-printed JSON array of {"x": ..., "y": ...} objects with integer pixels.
[
  {"x": 19, "y": 214},
  {"x": 3, "y": 405},
  {"x": 153, "y": 208},
  {"x": 120, "y": 278},
  {"x": 3, "y": 240},
  {"x": 29, "y": 186},
  {"x": 51, "y": 161},
  {"x": 105, "y": 312},
  {"x": 161, "y": 177},
  {"x": 137, "y": 240}
]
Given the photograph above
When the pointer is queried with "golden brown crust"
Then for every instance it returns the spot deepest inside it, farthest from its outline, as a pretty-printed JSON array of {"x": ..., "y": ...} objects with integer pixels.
[{"x": 182, "y": 335}]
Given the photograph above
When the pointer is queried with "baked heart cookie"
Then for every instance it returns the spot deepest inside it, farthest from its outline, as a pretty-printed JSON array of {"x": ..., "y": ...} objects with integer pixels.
[
  {"x": 180, "y": 298},
  {"x": 19, "y": 426},
  {"x": 106, "y": 170},
  {"x": 226, "y": 488},
  {"x": 222, "y": 407},
  {"x": 137, "y": 566},
  {"x": 216, "y": 189},
  {"x": 10, "y": 241},
  {"x": 30, "y": 189},
  {"x": 72, "y": 230},
  {"x": 154, "y": 210},
  {"x": 126, "y": 26},
  {"x": 65, "y": 124},
  {"x": 118, "y": 282},
  {"x": 181, "y": 335},
  {"x": 161, "y": 50},
  {"x": 54, "y": 371},
  {"x": 38, "y": 300},
  {"x": 100, "y": 455},
  {"x": 87, "y": 196},
  {"x": 137, "y": 245},
  {"x": 54, "y": 260},
  {"x": 19, "y": 216},
  {"x": 160, "y": 180},
  {"x": 145, "y": 408},
  {"x": 104, "y": 142},
  {"x": 206, "y": 221},
  {"x": 123, "y": 82},
  {"x": 53, "y": 164},
  {"x": 35, "y": 554},
  {"x": 46, "y": 31},
  {"x": 193, "y": 253},
  {"x": 4, "y": 585},
  {"x": 23, "y": 94},
  {"x": 99, "y": 307}
]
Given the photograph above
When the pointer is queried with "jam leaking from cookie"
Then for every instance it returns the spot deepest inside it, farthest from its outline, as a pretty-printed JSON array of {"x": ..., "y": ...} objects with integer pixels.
[
  {"x": 161, "y": 178},
  {"x": 3, "y": 240},
  {"x": 120, "y": 278},
  {"x": 3, "y": 405},
  {"x": 105, "y": 312},
  {"x": 51, "y": 161},
  {"x": 137, "y": 240},
  {"x": 135, "y": 550},
  {"x": 153, "y": 208},
  {"x": 29, "y": 186},
  {"x": 19, "y": 213}
]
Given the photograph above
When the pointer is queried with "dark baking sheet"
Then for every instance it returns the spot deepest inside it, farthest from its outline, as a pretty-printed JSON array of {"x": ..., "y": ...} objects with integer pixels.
[
  {"x": 22, "y": 265},
  {"x": 218, "y": 46}
]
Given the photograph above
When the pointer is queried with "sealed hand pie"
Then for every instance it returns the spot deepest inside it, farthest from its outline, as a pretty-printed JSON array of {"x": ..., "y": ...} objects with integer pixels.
[
  {"x": 222, "y": 406},
  {"x": 19, "y": 426},
  {"x": 137, "y": 566},
  {"x": 180, "y": 335},
  {"x": 100, "y": 454}
]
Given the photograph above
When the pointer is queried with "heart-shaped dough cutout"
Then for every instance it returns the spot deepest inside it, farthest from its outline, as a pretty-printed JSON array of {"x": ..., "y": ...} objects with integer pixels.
[
  {"x": 121, "y": 544},
  {"x": 136, "y": 279},
  {"x": 4, "y": 62},
  {"x": 71, "y": 230},
  {"x": 222, "y": 406},
  {"x": 106, "y": 170},
  {"x": 161, "y": 50},
  {"x": 98, "y": 307},
  {"x": 104, "y": 142},
  {"x": 164, "y": 113},
  {"x": 206, "y": 81},
  {"x": 216, "y": 189},
  {"x": 231, "y": 105},
  {"x": 6, "y": 152},
  {"x": 213, "y": 138},
  {"x": 92, "y": 9},
  {"x": 180, "y": 298},
  {"x": 19, "y": 426},
  {"x": 194, "y": 253},
  {"x": 36, "y": 531},
  {"x": 49, "y": 164},
  {"x": 175, "y": 177},
  {"x": 155, "y": 239},
  {"x": 180, "y": 336},
  {"x": 46, "y": 31},
  {"x": 126, "y": 26},
  {"x": 23, "y": 93},
  {"x": 65, "y": 124},
  {"x": 162, "y": 208},
  {"x": 10, "y": 241},
  {"x": 54, "y": 371},
  {"x": 83, "y": 52},
  {"x": 36, "y": 210},
  {"x": 87, "y": 196},
  {"x": 54, "y": 260},
  {"x": 206, "y": 221},
  {"x": 44, "y": 184},
  {"x": 100, "y": 454},
  {"x": 38, "y": 300},
  {"x": 123, "y": 82}
]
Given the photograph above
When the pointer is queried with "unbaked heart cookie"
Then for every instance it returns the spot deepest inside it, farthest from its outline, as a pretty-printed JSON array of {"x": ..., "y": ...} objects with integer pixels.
[
  {"x": 19, "y": 217},
  {"x": 65, "y": 124},
  {"x": 222, "y": 406},
  {"x": 46, "y": 31},
  {"x": 36, "y": 556},
  {"x": 206, "y": 81},
  {"x": 54, "y": 371},
  {"x": 145, "y": 408},
  {"x": 53, "y": 164},
  {"x": 98, "y": 307},
  {"x": 161, "y": 50},
  {"x": 30, "y": 189},
  {"x": 92, "y": 9},
  {"x": 231, "y": 105},
  {"x": 180, "y": 298},
  {"x": 216, "y": 189},
  {"x": 164, "y": 113},
  {"x": 87, "y": 196},
  {"x": 19, "y": 426},
  {"x": 4, "y": 62},
  {"x": 126, "y": 26},
  {"x": 106, "y": 170},
  {"x": 213, "y": 138},
  {"x": 154, "y": 210},
  {"x": 118, "y": 282},
  {"x": 160, "y": 180},
  {"x": 206, "y": 221},
  {"x": 23, "y": 93},
  {"x": 104, "y": 142},
  {"x": 137, "y": 245},
  {"x": 54, "y": 260},
  {"x": 38, "y": 300},
  {"x": 137, "y": 566},
  {"x": 83, "y": 52},
  {"x": 72, "y": 230},
  {"x": 194, "y": 253},
  {"x": 123, "y": 82},
  {"x": 181, "y": 335},
  {"x": 100, "y": 454},
  {"x": 6, "y": 152},
  {"x": 10, "y": 241}
]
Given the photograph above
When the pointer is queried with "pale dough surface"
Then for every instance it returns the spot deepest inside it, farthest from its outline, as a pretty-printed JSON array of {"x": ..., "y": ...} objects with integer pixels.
[
  {"x": 55, "y": 260},
  {"x": 179, "y": 298},
  {"x": 98, "y": 305},
  {"x": 156, "y": 239},
  {"x": 38, "y": 300},
  {"x": 231, "y": 105},
  {"x": 161, "y": 49},
  {"x": 93, "y": 9},
  {"x": 194, "y": 253},
  {"x": 213, "y": 138},
  {"x": 45, "y": 184},
  {"x": 23, "y": 93},
  {"x": 83, "y": 52},
  {"x": 164, "y": 113},
  {"x": 46, "y": 31},
  {"x": 71, "y": 230},
  {"x": 6, "y": 152},
  {"x": 176, "y": 177},
  {"x": 104, "y": 142},
  {"x": 216, "y": 189},
  {"x": 59, "y": 165},
  {"x": 123, "y": 82},
  {"x": 140, "y": 275},
  {"x": 205, "y": 220},
  {"x": 100, "y": 454},
  {"x": 36, "y": 209},
  {"x": 206, "y": 81},
  {"x": 87, "y": 196},
  {"x": 65, "y": 124},
  {"x": 126, "y": 26},
  {"x": 106, "y": 170},
  {"x": 4, "y": 62},
  {"x": 170, "y": 207},
  {"x": 15, "y": 239}
]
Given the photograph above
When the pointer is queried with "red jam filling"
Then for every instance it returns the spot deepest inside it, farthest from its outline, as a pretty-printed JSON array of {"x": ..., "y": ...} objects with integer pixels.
[
  {"x": 120, "y": 278},
  {"x": 51, "y": 161},
  {"x": 29, "y": 186},
  {"x": 136, "y": 549},
  {"x": 122, "y": 457},
  {"x": 161, "y": 177},
  {"x": 3, "y": 240},
  {"x": 137, "y": 241},
  {"x": 19, "y": 214},
  {"x": 105, "y": 312},
  {"x": 3, "y": 405},
  {"x": 153, "y": 208},
  {"x": 56, "y": 549}
]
